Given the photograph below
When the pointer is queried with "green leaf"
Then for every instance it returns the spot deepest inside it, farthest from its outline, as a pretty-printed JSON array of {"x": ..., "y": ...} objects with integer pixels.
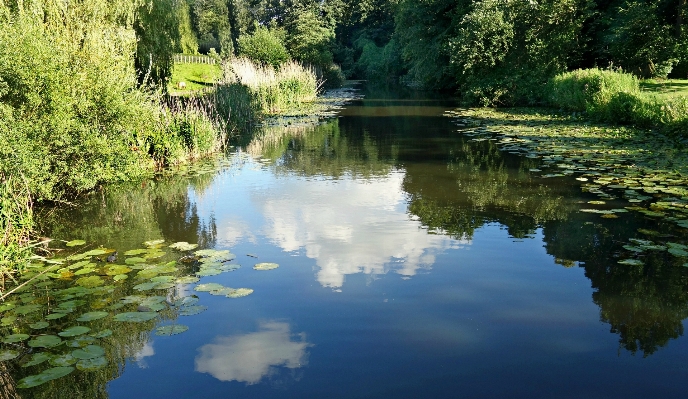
[
  {"x": 90, "y": 316},
  {"x": 208, "y": 287},
  {"x": 47, "y": 375},
  {"x": 37, "y": 358},
  {"x": 14, "y": 338},
  {"x": 89, "y": 352},
  {"x": 265, "y": 266},
  {"x": 73, "y": 331},
  {"x": 39, "y": 325},
  {"x": 135, "y": 317},
  {"x": 173, "y": 329},
  {"x": 93, "y": 364},
  {"x": 75, "y": 243},
  {"x": 8, "y": 354},
  {"x": 45, "y": 341}
]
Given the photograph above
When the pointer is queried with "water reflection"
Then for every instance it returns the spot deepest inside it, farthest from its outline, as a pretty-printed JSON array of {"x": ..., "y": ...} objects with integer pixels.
[{"x": 251, "y": 357}]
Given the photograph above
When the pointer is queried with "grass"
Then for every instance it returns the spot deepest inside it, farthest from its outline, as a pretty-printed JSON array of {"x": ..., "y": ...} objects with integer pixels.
[
  {"x": 196, "y": 77},
  {"x": 666, "y": 88}
]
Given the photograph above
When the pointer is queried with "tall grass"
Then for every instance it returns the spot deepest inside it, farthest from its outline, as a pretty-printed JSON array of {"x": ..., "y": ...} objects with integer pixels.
[
  {"x": 615, "y": 97},
  {"x": 16, "y": 224},
  {"x": 268, "y": 90}
]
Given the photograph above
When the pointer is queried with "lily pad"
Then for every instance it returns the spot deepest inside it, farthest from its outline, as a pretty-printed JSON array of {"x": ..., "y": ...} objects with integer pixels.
[
  {"x": 90, "y": 282},
  {"x": 26, "y": 309},
  {"x": 146, "y": 286},
  {"x": 75, "y": 243},
  {"x": 89, "y": 352},
  {"x": 631, "y": 262},
  {"x": 172, "y": 329},
  {"x": 39, "y": 325},
  {"x": 37, "y": 358},
  {"x": 8, "y": 354},
  {"x": 96, "y": 252},
  {"x": 47, "y": 375},
  {"x": 55, "y": 316},
  {"x": 240, "y": 292},
  {"x": 265, "y": 266},
  {"x": 183, "y": 246},
  {"x": 163, "y": 279},
  {"x": 208, "y": 272},
  {"x": 208, "y": 287},
  {"x": 152, "y": 243},
  {"x": 135, "y": 317},
  {"x": 93, "y": 364},
  {"x": 120, "y": 277},
  {"x": 45, "y": 341},
  {"x": 192, "y": 310},
  {"x": 81, "y": 341},
  {"x": 186, "y": 301},
  {"x": 90, "y": 316},
  {"x": 134, "y": 260},
  {"x": 102, "y": 334},
  {"x": 117, "y": 269},
  {"x": 14, "y": 338},
  {"x": 73, "y": 331},
  {"x": 133, "y": 252},
  {"x": 63, "y": 360},
  {"x": 187, "y": 280},
  {"x": 7, "y": 306}
]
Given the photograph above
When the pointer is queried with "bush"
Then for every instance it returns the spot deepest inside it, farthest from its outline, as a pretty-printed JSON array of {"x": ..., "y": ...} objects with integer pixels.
[
  {"x": 263, "y": 46},
  {"x": 589, "y": 89}
]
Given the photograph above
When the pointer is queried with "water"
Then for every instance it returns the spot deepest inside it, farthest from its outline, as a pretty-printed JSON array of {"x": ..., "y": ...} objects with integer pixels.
[{"x": 412, "y": 263}]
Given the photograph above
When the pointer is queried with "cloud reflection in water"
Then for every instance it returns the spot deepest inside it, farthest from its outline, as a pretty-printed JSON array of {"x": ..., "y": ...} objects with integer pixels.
[{"x": 251, "y": 357}]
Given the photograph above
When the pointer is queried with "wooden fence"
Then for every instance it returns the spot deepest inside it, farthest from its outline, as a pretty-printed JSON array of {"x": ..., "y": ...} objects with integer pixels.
[{"x": 194, "y": 59}]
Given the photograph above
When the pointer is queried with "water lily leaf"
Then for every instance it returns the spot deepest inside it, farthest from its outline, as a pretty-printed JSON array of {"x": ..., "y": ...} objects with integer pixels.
[
  {"x": 85, "y": 270},
  {"x": 96, "y": 252},
  {"x": 14, "y": 338},
  {"x": 81, "y": 341},
  {"x": 206, "y": 252},
  {"x": 265, "y": 266},
  {"x": 47, "y": 375},
  {"x": 208, "y": 287},
  {"x": 152, "y": 243},
  {"x": 186, "y": 301},
  {"x": 89, "y": 352},
  {"x": 120, "y": 277},
  {"x": 135, "y": 317},
  {"x": 163, "y": 279},
  {"x": 75, "y": 243},
  {"x": 55, "y": 316},
  {"x": 102, "y": 334},
  {"x": 90, "y": 316},
  {"x": 90, "y": 282},
  {"x": 164, "y": 286},
  {"x": 37, "y": 358},
  {"x": 145, "y": 286},
  {"x": 173, "y": 329},
  {"x": 63, "y": 360},
  {"x": 183, "y": 246},
  {"x": 222, "y": 291},
  {"x": 678, "y": 252},
  {"x": 117, "y": 269},
  {"x": 26, "y": 309},
  {"x": 7, "y": 306},
  {"x": 597, "y": 202},
  {"x": 630, "y": 262},
  {"x": 8, "y": 354},
  {"x": 39, "y": 325},
  {"x": 134, "y": 260},
  {"x": 205, "y": 272},
  {"x": 73, "y": 331},
  {"x": 132, "y": 252},
  {"x": 93, "y": 364},
  {"x": 45, "y": 341},
  {"x": 187, "y": 280},
  {"x": 154, "y": 255},
  {"x": 132, "y": 299},
  {"x": 76, "y": 257},
  {"x": 192, "y": 310},
  {"x": 229, "y": 267},
  {"x": 240, "y": 292}
]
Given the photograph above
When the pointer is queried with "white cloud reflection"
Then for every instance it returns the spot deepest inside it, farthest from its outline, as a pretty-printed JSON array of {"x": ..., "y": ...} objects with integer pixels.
[
  {"x": 251, "y": 357},
  {"x": 349, "y": 226}
]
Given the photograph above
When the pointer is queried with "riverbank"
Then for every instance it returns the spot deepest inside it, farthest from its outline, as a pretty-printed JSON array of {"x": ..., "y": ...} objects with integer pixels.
[{"x": 629, "y": 169}]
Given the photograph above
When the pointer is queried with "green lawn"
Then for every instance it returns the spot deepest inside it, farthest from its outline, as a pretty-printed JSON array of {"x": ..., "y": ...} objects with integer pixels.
[
  {"x": 666, "y": 88},
  {"x": 195, "y": 76}
]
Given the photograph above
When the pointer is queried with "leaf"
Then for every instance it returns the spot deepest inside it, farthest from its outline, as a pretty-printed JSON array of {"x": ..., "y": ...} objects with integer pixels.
[
  {"x": 47, "y": 375},
  {"x": 37, "y": 358},
  {"x": 96, "y": 252},
  {"x": 240, "y": 292},
  {"x": 187, "y": 280},
  {"x": 90, "y": 282},
  {"x": 63, "y": 360},
  {"x": 208, "y": 287},
  {"x": 135, "y": 317},
  {"x": 192, "y": 310},
  {"x": 75, "y": 243},
  {"x": 89, "y": 352},
  {"x": 117, "y": 269},
  {"x": 26, "y": 309},
  {"x": 152, "y": 243},
  {"x": 265, "y": 266},
  {"x": 102, "y": 334},
  {"x": 8, "y": 354},
  {"x": 39, "y": 325},
  {"x": 172, "y": 329},
  {"x": 81, "y": 341},
  {"x": 55, "y": 316},
  {"x": 134, "y": 260},
  {"x": 45, "y": 341},
  {"x": 73, "y": 331},
  {"x": 631, "y": 262},
  {"x": 93, "y": 364},
  {"x": 183, "y": 246},
  {"x": 146, "y": 286},
  {"x": 90, "y": 316},
  {"x": 14, "y": 338},
  {"x": 132, "y": 252}
]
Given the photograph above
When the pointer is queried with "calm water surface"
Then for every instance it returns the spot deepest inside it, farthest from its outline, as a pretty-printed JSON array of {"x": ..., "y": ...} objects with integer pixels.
[{"x": 414, "y": 263}]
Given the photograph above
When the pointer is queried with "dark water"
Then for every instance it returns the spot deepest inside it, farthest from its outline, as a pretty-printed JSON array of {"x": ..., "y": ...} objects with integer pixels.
[{"x": 413, "y": 264}]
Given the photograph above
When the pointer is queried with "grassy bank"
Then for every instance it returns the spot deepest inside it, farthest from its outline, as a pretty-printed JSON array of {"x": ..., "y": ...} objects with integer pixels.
[
  {"x": 620, "y": 98},
  {"x": 195, "y": 78}
]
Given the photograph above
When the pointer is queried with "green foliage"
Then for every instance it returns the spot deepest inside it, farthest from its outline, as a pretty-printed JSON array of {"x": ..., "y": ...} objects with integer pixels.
[
  {"x": 309, "y": 38},
  {"x": 188, "y": 42},
  {"x": 588, "y": 89},
  {"x": 378, "y": 64},
  {"x": 158, "y": 36},
  {"x": 211, "y": 22},
  {"x": 16, "y": 223},
  {"x": 640, "y": 42},
  {"x": 264, "y": 46}
]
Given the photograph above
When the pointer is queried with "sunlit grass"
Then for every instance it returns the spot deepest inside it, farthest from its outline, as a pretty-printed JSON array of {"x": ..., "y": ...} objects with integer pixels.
[
  {"x": 196, "y": 77},
  {"x": 666, "y": 88}
]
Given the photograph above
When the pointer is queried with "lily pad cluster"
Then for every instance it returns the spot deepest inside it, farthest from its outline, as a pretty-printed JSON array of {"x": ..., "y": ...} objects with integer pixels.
[
  {"x": 642, "y": 168},
  {"x": 61, "y": 316}
]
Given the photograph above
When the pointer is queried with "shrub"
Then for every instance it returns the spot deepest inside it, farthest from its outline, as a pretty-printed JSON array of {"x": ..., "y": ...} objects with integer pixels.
[
  {"x": 589, "y": 89},
  {"x": 263, "y": 46}
]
